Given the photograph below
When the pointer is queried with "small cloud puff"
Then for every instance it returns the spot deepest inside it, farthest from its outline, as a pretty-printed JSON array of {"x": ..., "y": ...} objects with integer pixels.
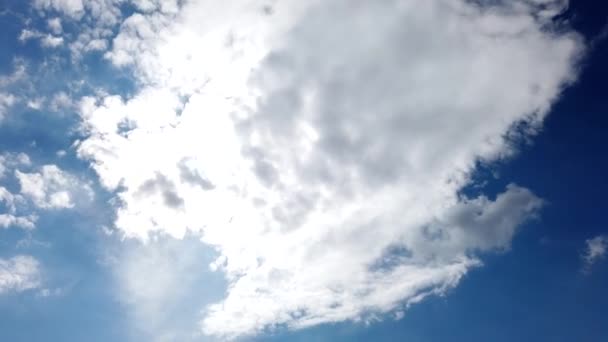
[
  {"x": 47, "y": 188},
  {"x": 595, "y": 251}
]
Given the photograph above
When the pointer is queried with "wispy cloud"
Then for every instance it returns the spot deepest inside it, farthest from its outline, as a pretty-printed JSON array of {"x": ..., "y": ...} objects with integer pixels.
[{"x": 595, "y": 250}]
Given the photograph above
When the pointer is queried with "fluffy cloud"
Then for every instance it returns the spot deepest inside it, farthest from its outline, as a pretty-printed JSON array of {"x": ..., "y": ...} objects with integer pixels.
[
  {"x": 96, "y": 20},
  {"x": 9, "y": 161},
  {"x": 19, "y": 274},
  {"x": 71, "y": 8},
  {"x": 46, "y": 187},
  {"x": 55, "y": 25},
  {"x": 595, "y": 251},
  {"x": 9, "y": 202},
  {"x": 10, "y": 218},
  {"x": 49, "y": 188},
  {"x": 323, "y": 155}
]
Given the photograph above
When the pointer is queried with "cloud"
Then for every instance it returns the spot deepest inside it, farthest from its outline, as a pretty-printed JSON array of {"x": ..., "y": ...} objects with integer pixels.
[
  {"x": 10, "y": 202},
  {"x": 595, "y": 251},
  {"x": 50, "y": 188},
  {"x": 6, "y": 102},
  {"x": 25, "y": 222},
  {"x": 72, "y": 8},
  {"x": 51, "y": 41},
  {"x": 163, "y": 285},
  {"x": 323, "y": 156},
  {"x": 95, "y": 20},
  {"x": 11, "y": 160},
  {"x": 18, "y": 274},
  {"x": 27, "y": 85},
  {"x": 55, "y": 25},
  {"x": 7, "y": 98},
  {"x": 45, "y": 187},
  {"x": 47, "y": 40},
  {"x": 29, "y": 34}
]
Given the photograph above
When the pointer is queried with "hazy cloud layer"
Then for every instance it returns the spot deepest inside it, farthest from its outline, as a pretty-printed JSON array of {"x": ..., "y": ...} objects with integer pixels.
[
  {"x": 320, "y": 148},
  {"x": 164, "y": 284}
]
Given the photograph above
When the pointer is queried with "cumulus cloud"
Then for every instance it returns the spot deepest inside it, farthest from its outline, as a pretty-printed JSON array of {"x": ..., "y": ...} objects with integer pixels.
[
  {"x": 72, "y": 8},
  {"x": 51, "y": 187},
  {"x": 96, "y": 20},
  {"x": 55, "y": 25},
  {"x": 46, "y": 40},
  {"x": 9, "y": 161},
  {"x": 45, "y": 187},
  {"x": 18, "y": 274},
  {"x": 595, "y": 251},
  {"x": 10, "y": 218},
  {"x": 9, "y": 202},
  {"x": 321, "y": 148},
  {"x": 51, "y": 41}
]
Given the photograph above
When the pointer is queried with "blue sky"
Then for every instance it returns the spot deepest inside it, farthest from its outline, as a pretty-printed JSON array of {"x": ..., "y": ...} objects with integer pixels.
[{"x": 279, "y": 171}]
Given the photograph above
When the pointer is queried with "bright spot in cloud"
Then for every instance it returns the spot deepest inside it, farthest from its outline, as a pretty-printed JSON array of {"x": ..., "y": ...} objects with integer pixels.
[{"x": 321, "y": 155}]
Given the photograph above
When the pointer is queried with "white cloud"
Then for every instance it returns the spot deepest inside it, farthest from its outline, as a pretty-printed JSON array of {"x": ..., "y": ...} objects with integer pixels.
[
  {"x": 165, "y": 286},
  {"x": 595, "y": 251},
  {"x": 72, "y": 8},
  {"x": 55, "y": 25},
  {"x": 19, "y": 274},
  {"x": 164, "y": 6},
  {"x": 51, "y": 187},
  {"x": 9, "y": 161},
  {"x": 7, "y": 98},
  {"x": 96, "y": 20},
  {"x": 25, "y": 222},
  {"x": 321, "y": 148},
  {"x": 27, "y": 34},
  {"x": 36, "y": 103},
  {"x": 17, "y": 75},
  {"x": 46, "y": 187},
  {"x": 6, "y": 102},
  {"x": 51, "y": 41},
  {"x": 10, "y": 218},
  {"x": 46, "y": 40},
  {"x": 61, "y": 101}
]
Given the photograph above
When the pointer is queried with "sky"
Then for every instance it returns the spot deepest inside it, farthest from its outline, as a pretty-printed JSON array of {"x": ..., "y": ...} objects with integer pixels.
[{"x": 327, "y": 170}]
